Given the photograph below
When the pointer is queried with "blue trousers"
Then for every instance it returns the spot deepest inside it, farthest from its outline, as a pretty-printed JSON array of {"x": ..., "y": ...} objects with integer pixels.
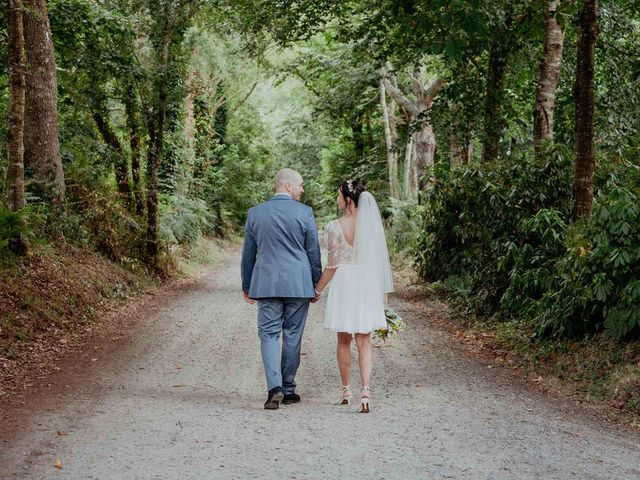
[{"x": 287, "y": 316}]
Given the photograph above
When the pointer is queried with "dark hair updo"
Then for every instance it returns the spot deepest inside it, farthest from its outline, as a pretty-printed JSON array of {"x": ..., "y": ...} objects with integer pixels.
[{"x": 351, "y": 189}]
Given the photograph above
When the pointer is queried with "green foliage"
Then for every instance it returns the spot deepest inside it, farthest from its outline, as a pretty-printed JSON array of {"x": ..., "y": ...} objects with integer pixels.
[
  {"x": 594, "y": 282},
  {"x": 501, "y": 239},
  {"x": 246, "y": 176},
  {"x": 472, "y": 217},
  {"x": 10, "y": 227},
  {"x": 99, "y": 221},
  {"x": 531, "y": 261},
  {"x": 183, "y": 220},
  {"x": 403, "y": 226}
]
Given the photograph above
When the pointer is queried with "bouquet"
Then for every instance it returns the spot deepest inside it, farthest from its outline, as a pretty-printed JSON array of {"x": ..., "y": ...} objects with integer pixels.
[{"x": 394, "y": 325}]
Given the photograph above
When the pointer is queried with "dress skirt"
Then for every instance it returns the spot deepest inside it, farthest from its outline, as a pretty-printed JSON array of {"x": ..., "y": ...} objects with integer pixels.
[{"x": 355, "y": 303}]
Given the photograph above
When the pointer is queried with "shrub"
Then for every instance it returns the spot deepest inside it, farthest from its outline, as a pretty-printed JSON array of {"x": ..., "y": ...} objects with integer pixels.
[
  {"x": 597, "y": 280},
  {"x": 10, "y": 227},
  {"x": 473, "y": 217},
  {"x": 183, "y": 220},
  {"x": 404, "y": 229},
  {"x": 500, "y": 238}
]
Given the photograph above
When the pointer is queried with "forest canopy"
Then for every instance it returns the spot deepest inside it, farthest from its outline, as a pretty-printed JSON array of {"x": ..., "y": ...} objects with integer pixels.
[{"x": 500, "y": 137}]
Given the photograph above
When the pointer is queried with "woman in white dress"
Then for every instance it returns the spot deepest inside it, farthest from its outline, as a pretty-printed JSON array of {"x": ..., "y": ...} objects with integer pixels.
[{"x": 360, "y": 275}]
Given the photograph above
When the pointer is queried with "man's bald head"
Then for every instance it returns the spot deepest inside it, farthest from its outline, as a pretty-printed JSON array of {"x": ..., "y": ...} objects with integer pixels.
[{"x": 289, "y": 181}]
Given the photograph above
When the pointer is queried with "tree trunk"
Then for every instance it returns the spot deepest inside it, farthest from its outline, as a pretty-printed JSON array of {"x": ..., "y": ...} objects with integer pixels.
[
  {"x": 467, "y": 154},
  {"x": 410, "y": 170},
  {"x": 156, "y": 139},
  {"x": 41, "y": 139},
  {"x": 392, "y": 154},
  {"x": 493, "y": 119},
  {"x": 460, "y": 153},
  {"x": 583, "y": 93},
  {"x": 120, "y": 167},
  {"x": 425, "y": 149},
  {"x": 423, "y": 143},
  {"x": 153, "y": 162},
  {"x": 548, "y": 79},
  {"x": 15, "y": 171},
  {"x": 454, "y": 146},
  {"x": 393, "y": 118},
  {"x": 134, "y": 144},
  {"x": 189, "y": 113}
]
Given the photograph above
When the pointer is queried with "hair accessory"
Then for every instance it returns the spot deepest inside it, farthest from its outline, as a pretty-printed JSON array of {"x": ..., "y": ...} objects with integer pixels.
[{"x": 350, "y": 187}]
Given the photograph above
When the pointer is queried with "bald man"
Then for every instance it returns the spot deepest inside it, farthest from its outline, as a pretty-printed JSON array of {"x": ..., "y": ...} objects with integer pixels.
[{"x": 280, "y": 268}]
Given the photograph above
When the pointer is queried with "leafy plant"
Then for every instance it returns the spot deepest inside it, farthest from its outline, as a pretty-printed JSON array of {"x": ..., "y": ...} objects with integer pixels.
[
  {"x": 596, "y": 285},
  {"x": 10, "y": 226},
  {"x": 472, "y": 218},
  {"x": 183, "y": 220}
]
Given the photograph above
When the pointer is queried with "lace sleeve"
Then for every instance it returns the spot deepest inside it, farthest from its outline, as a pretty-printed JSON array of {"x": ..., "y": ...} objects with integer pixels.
[{"x": 333, "y": 246}]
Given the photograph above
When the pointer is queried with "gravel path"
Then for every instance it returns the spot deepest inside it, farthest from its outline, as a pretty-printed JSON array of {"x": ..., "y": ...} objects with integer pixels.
[{"x": 182, "y": 399}]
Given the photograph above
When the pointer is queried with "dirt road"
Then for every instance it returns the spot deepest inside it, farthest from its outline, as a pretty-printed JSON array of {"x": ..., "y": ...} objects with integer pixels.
[{"x": 182, "y": 399}]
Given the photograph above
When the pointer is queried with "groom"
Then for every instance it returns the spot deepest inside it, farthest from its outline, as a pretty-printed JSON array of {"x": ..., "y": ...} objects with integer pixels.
[{"x": 280, "y": 267}]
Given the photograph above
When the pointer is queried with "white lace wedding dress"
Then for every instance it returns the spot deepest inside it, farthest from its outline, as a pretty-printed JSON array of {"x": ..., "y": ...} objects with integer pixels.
[{"x": 355, "y": 303}]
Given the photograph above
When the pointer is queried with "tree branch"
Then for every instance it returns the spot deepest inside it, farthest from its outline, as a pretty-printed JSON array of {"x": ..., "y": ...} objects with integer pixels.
[
  {"x": 410, "y": 107},
  {"x": 434, "y": 86},
  {"x": 246, "y": 97}
]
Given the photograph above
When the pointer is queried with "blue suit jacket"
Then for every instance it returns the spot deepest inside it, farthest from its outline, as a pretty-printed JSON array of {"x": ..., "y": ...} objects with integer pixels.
[{"x": 281, "y": 253}]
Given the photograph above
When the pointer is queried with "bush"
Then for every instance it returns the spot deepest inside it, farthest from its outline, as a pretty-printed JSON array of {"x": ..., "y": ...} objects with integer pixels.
[
  {"x": 473, "y": 217},
  {"x": 183, "y": 220},
  {"x": 10, "y": 227},
  {"x": 597, "y": 278},
  {"x": 404, "y": 229},
  {"x": 531, "y": 261},
  {"x": 102, "y": 223},
  {"x": 500, "y": 238}
]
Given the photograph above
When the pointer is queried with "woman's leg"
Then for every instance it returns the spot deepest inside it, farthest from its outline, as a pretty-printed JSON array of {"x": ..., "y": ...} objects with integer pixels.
[
  {"x": 365, "y": 357},
  {"x": 344, "y": 357}
]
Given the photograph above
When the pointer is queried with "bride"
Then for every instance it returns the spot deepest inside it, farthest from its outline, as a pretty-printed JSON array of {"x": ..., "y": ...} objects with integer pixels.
[{"x": 359, "y": 266}]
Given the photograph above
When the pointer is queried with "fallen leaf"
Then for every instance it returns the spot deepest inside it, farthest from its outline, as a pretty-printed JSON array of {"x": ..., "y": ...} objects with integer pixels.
[
  {"x": 62, "y": 434},
  {"x": 58, "y": 464}
]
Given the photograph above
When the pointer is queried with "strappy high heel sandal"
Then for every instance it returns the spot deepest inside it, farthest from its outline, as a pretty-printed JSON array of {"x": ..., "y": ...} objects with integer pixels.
[
  {"x": 347, "y": 396},
  {"x": 364, "y": 400}
]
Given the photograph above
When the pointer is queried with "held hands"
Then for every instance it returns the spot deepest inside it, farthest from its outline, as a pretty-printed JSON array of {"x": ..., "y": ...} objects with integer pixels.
[
  {"x": 317, "y": 297},
  {"x": 250, "y": 301}
]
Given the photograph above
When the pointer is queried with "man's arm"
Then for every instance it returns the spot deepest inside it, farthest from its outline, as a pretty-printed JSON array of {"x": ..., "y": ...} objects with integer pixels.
[
  {"x": 249, "y": 251},
  {"x": 313, "y": 248}
]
